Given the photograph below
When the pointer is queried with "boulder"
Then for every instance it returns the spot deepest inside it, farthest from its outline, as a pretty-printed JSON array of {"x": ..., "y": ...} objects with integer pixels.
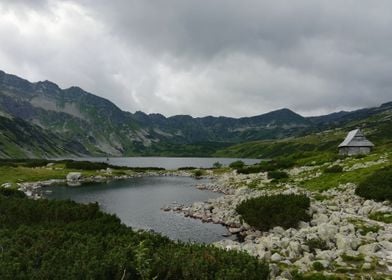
[
  {"x": 369, "y": 249},
  {"x": 6, "y": 185},
  {"x": 327, "y": 231},
  {"x": 74, "y": 176},
  {"x": 276, "y": 257}
]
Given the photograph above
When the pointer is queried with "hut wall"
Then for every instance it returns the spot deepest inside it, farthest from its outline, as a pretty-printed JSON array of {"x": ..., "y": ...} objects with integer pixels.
[{"x": 354, "y": 150}]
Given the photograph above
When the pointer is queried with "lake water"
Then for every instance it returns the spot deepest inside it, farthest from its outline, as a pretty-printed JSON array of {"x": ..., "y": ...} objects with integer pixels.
[
  {"x": 138, "y": 201},
  {"x": 167, "y": 162}
]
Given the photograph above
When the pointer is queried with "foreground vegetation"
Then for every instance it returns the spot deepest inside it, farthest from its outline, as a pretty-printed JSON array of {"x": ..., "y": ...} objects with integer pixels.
[
  {"x": 266, "y": 212},
  {"x": 377, "y": 186},
  {"x": 65, "y": 240}
]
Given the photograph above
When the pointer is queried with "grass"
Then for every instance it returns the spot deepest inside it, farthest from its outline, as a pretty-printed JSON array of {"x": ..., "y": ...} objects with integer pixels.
[
  {"x": 364, "y": 228},
  {"x": 330, "y": 180},
  {"x": 19, "y": 173},
  {"x": 381, "y": 217}
]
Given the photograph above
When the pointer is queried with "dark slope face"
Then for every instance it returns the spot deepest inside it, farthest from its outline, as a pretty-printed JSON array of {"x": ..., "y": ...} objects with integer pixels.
[{"x": 21, "y": 139}]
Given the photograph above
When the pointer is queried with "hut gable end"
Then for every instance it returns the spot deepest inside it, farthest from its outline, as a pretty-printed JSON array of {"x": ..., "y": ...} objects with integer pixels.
[{"x": 355, "y": 143}]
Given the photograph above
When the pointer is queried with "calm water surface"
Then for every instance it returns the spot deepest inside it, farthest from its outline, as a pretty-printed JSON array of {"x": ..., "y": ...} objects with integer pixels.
[{"x": 138, "y": 201}]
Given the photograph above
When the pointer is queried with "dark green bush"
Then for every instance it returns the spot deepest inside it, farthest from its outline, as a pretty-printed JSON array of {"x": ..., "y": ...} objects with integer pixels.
[
  {"x": 318, "y": 266},
  {"x": 217, "y": 165},
  {"x": 11, "y": 193},
  {"x": 198, "y": 173},
  {"x": 316, "y": 243},
  {"x": 237, "y": 164},
  {"x": 249, "y": 169},
  {"x": 266, "y": 212},
  {"x": 85, "y": 165},
  {"x": 377, "y": 186},
  {"x": 334, "y": 169},
  {"x": 276, "y": 175},
  {"x": 65, "y": 240}
]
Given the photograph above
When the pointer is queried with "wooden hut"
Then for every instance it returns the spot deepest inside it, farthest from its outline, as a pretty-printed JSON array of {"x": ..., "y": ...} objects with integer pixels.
[{"x": 355, "y": 144}]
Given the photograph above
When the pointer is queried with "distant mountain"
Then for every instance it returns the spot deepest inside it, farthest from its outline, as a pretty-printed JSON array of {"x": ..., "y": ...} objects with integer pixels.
[
  {"x": 73, "y": 121},
  {"x": 343, "y": 117}
]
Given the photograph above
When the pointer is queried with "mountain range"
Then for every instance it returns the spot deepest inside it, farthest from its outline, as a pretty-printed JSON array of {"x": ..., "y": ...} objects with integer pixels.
[{"x": 42, "y": 120}]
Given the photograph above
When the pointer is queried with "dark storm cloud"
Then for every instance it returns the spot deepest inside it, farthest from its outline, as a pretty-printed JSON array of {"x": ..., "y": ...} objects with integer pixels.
[{"x": 219, "y": 57}]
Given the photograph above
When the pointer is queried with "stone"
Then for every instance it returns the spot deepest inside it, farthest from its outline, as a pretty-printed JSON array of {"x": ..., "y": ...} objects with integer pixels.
[
  {"x": 234, "y": 230},
  {"x": 320, "y": 219},
  {"x": 346, "y": 243},
  {"x": 367, "y": 266},
  {"x": 276, "y": 257},
  {"x": 327, "y": 231},
  {"x": 6, "y": 185},
  {"x": 74, "y": 176},
  {"x": 328, "y": 255},
  {"x": 286, "y": 274},
  {"x": 369, "y": 249},
  {"x": 386, "y": 245},
  {"x": 365, "y": 210},
  {"x": 274, "y": 270}
]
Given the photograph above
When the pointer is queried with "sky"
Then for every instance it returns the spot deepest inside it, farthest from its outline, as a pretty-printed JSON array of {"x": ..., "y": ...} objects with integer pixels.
[{"x": 212, "y": 57}]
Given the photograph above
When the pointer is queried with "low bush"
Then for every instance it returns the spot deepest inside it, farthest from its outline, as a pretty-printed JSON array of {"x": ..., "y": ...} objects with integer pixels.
[
  {"x": 198, "y": 173},
  {"x": 249, "y": 169},
  {"x": 266, "y": 212},
  {"x": 334, "y": 169},
  {"x": 318, "y": 266},
  {"x": 316, "y": 243},
  {"x": 276, "y": 175},
  {"x": 85, "y": 165},
  {"x": 217, "y": 165},
  {"x": 7, "y": 192},
  {"x": 237, "y": 164},
  {"x": 377, "y": 186}
]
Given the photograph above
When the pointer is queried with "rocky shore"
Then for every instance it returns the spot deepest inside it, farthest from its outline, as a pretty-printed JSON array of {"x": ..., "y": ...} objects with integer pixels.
[
  {"x": 340, "y": 238},
  {"x": 74, "y": 179}
]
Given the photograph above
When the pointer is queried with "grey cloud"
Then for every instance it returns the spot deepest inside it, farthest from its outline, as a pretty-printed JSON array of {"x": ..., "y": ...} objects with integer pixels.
[{"x": 211, "y": 57}]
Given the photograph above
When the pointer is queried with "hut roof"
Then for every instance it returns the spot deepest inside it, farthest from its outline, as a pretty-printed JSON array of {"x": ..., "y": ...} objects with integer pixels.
[{"x": 355, "y": 138}]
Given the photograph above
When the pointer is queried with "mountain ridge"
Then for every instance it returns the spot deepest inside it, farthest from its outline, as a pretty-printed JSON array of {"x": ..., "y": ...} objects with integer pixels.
[{"x": 102, "y": 128}]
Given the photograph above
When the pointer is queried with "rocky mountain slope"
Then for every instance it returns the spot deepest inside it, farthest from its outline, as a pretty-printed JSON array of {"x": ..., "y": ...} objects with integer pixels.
[{"x": 80, "y": 123}]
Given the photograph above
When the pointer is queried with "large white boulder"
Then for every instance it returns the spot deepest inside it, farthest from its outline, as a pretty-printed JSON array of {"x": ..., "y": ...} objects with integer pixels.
[{"x": 74, "y": 176}]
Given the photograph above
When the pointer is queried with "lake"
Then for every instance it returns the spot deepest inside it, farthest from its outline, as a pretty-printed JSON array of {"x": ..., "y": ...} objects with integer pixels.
[
  {"x": 138, "y": 201},
  {"x": 166, "y": 162}
]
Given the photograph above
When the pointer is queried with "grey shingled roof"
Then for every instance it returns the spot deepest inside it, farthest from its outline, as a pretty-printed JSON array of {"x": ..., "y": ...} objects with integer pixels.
[{"x": 355, "y": 138}]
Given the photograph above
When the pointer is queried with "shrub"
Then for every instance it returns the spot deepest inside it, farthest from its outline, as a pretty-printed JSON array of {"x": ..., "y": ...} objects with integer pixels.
[
  {"x": 316, "y": 243},
  {"x": 266, "y": 212},
  {"x": 11, "y": 193},
  {"x": 249, "y": 169},
  {"x": 217, "y": 164},
  {"x": 237, "y": 164},
  {"x": 276, "y": 175},
  {"x": 377, "y": 186},
  {"x": 317, "y": 266},
  {"x": 334, "y": 169},
  {"x": 198, "y": 173}
]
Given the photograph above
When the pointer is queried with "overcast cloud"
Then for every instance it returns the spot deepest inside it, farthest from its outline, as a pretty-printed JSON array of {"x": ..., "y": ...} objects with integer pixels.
[{"x": 215, "y": 57}]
